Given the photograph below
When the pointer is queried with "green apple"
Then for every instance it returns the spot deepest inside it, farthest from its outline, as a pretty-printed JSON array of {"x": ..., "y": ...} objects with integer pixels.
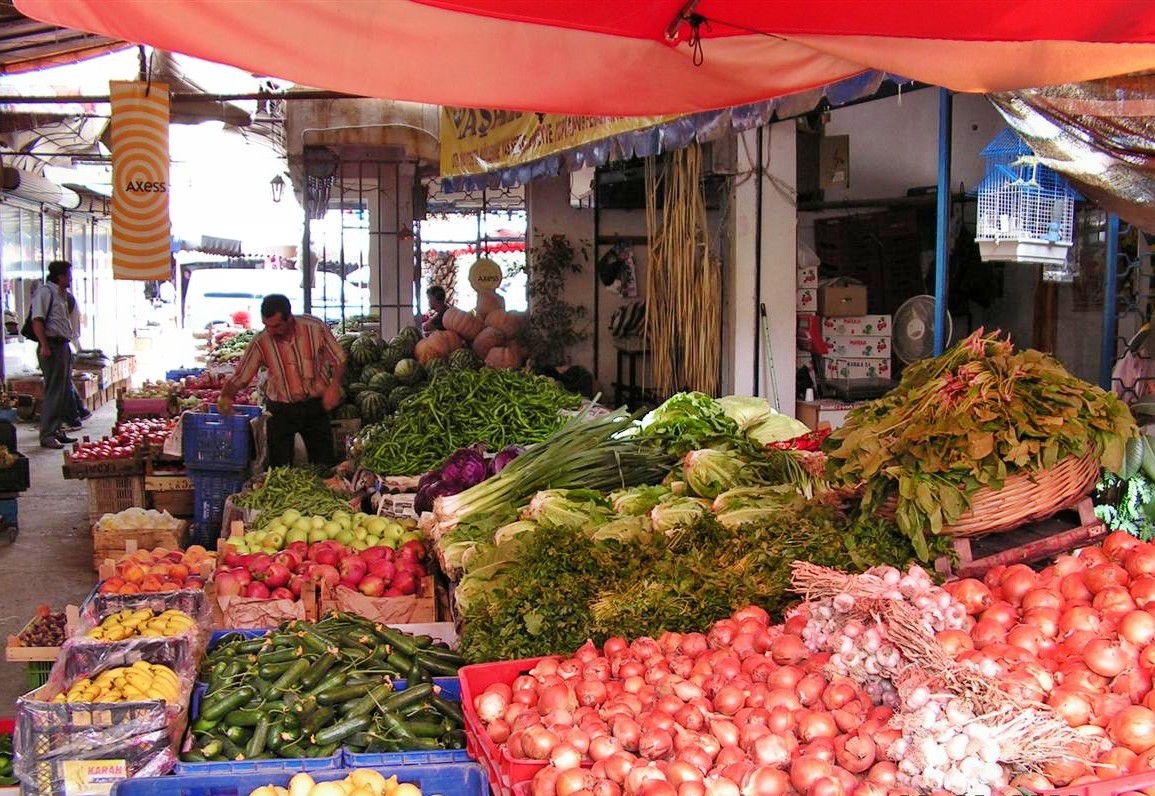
[
  {"x": 276, "y": 526},
  {"x": 409, "y": 536},
  {"x": 318, "y": 521},
  {"x": 360, "y": 532},
  {"x": 274, "y": 539},
  {"x": 296, "y": 535},
  {"x": 304, "y": 523},
  {"x": 360, "y": 544},
  {"x": 360, "y": 517},
  {"x": 240, "y": 545},
  {"x": 376, "y": 525},
  {"x": 290, "y": 517},
  {"x": 332, "y": 529},
  {"x": 255, "y": 538},
  {"x": 372, "y": 541},
  {"x": 345, "y": 537},
  {"x": 318, "y": 535},
  {"x": 408, "y": 523}
]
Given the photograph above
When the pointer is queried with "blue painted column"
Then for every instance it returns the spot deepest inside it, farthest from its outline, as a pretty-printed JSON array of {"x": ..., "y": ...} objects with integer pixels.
[
  {"x": 1110, "y": 303},
  {"x": 942, "y": 219}
]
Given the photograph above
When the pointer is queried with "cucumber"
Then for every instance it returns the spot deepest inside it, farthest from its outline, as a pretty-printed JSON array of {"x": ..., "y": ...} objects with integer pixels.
[
  {"x": 213, "y": 710},
  {"x": 335, "y": 733}
]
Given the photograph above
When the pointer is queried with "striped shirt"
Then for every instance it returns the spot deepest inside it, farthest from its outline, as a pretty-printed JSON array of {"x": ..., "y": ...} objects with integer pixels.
[{"x": 297, "y": 368}]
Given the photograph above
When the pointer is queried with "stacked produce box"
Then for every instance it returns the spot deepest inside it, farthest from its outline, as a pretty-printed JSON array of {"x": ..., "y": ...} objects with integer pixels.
[{"x": 217, "y": 452}]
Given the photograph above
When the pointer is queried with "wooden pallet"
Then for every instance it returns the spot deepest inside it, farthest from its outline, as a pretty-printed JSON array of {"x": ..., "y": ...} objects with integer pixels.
[{"x": 1067, "y": 530}]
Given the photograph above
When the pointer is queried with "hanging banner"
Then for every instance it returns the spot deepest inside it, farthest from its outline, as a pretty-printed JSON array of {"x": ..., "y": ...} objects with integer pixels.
[
  {"x": 141, "y": 232},
  {"x": 478, "y": 140}
]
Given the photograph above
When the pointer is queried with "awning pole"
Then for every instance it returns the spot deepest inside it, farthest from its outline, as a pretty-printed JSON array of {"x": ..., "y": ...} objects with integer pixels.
[{"x": 942, "y": 219}]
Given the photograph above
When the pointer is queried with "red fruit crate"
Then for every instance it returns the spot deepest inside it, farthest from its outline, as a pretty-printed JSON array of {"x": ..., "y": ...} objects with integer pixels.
[
  {"x": 1109, "y": 787},
  {"x": 504, "y": 771}
]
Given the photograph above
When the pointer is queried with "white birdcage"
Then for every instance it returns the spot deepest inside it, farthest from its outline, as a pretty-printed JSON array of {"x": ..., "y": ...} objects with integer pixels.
[{"x": 1026, "y": 211}]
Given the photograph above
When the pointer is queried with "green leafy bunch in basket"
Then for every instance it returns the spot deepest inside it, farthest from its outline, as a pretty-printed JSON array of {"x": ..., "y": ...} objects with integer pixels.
[{"x": 969, "y": 419}]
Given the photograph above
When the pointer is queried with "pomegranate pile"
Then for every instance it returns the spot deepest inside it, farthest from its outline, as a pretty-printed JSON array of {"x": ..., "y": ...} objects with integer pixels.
[{"x": 834, "y": 702}]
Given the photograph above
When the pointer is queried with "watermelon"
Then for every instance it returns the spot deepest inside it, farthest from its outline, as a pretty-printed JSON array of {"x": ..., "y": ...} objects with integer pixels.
[
  {"x": 408, "y": 371},
  {"x": 356, "y": 388},
  {"x": 373, "y": 406},
  {"x": 398, "y": 395},
  {"x": 364, "y": 349},
  {"x": 390, "y": 356},
  {"x": 436, "y": 366},
  {"x": 346, "y": 412},
  {"x": 346, "y": 341},
  {"x": 369, "y": 372},
  {"x": 406, "y": 341},
  {"x": 465, "y": 359},
  {"x": 383, "y": 383}
]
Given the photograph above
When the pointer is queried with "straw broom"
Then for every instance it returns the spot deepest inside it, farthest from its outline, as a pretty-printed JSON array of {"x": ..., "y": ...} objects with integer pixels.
[{"x": 683, "y": 283}]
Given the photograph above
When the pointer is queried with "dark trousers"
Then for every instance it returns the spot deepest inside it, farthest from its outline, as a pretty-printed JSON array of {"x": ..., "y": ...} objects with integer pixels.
[
  {"x": 307, "y": 418},
  {"x": 58, "y": 402}
]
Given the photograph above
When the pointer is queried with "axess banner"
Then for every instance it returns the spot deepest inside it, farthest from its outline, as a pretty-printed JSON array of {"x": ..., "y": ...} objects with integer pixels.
[{"x": 141, "y": 231}]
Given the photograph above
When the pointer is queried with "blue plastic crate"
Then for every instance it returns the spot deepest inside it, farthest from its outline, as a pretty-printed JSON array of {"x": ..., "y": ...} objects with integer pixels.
[
  {"x": 248, "y": 410},
  {"x": 211, "y": 488},
  {"x": 9, "y": 511},
  {"x": 456, "y": 779},
  {"x": 216, "y": 442},
  {"x": 180, "y": 373},
  {"x": 451, "y": 690}
]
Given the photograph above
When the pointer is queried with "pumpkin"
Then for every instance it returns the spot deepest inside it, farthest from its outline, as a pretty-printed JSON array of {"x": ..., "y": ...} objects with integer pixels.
[
  {"x": 464, "y": 323},
  {"x": 438, "y": 345},
  {"x": 507, "y": 322},
  {"x": 488, "y": 338},
  {"x": 488, "y": 301},
  {"x": 507, "y": 357}
]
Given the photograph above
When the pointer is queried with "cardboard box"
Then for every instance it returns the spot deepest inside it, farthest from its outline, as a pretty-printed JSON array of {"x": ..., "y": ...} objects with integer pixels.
[
  {"x": 856, "y": 346},
  {"x": 807, "y": 300},
  {"x": 808, "y": 326},
  {"x": 860, "y": 325},
  {"x": 808, "y": 276},
  {"x": 823, "y": 413},
  {"x": 834, "y": 368},
  {"x": 840, "y": 301}
]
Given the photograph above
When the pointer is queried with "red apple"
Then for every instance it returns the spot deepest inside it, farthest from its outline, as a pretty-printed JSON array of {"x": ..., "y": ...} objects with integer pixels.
[
  {"x": 325, "y": 572},
  {"x": 349, "y": 584},
  {"x": 392, "y": 591},
  {"x": 259, "y": 563},
  {"x": 352, "y": 568},
  {"x": 258, "y": 590},
  {"x": 232, "y": 559},
  {"x": 276, "y": 576},
  {"x": 405, "y": 582},
  {"x": 416, "y": 546},
  {"x": 289, "y": 559},
  {"x": 372, "y": 586},
  {"x": 228, "y": 585},
  {"x": 281, "y": 593},
  {"x": 295, "y": 584},
  {"x": 300, "y": 548},
  {"x": 243, "y": 575},
  {"x": 383, "y": 569},
  {"x": 326, "y": 555},
  {"x": 371, "y": 554}
]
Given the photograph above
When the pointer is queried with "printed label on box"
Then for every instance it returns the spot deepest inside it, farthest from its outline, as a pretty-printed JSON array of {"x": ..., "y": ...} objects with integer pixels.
[
  {"x": 807, "y": 300},
  {"x": 93, "y": 777},
  {"x": 841, "y": 368},
  {"x": 808, "y": 277},
  {"x": 861, "y": 325},
  {"x": 857, "y": 346}
]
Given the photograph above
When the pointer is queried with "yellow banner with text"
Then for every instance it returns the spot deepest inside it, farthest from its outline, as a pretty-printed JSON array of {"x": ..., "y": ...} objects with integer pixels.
[
  {"x": 141, "y": 230},
  {"x": 479, "y": 140}
]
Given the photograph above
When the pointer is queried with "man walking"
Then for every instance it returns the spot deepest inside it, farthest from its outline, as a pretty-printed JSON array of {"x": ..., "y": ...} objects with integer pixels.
[
  {"x": 53, "y": 331},
  {"x": 305, "y": 365}
]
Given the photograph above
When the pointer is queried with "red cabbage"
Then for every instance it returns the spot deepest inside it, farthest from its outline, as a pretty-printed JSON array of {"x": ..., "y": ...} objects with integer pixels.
[
  {"x": 463, "y": 469},
  {"x": 423, "y": 501},
  {"x": 504, "y": 457}
]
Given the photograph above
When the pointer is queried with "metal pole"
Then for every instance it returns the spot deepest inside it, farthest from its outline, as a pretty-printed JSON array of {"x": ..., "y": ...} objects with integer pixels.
[
  {"x": 1110, "y": 303},
  {"x": 942, "y": 219}
]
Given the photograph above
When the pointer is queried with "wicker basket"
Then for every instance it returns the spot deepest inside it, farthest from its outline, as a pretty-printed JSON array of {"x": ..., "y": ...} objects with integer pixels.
[{"x": 1025, "y": 497}]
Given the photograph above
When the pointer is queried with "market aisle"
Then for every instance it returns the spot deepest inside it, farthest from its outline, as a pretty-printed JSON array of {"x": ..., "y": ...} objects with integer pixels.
[{"x": 51, "y": 560}]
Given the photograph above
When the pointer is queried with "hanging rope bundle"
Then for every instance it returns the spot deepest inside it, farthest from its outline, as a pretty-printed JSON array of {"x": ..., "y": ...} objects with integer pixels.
[{"x": 683, "y": 282}]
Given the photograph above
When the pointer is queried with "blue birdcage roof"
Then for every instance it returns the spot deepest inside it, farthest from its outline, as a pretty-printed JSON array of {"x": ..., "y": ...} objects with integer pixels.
[{"x": 1006, "y": 144}]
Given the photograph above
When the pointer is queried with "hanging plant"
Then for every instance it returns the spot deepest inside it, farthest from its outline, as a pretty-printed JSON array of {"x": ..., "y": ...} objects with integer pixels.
[{"x": 553, "y": 323}]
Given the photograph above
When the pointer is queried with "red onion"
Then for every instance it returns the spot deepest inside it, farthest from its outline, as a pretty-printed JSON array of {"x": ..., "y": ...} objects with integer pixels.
[
  {"x": 590, "y": 693},
  {"x": 545, "y": 667},
  {"x": 627, "y": 731},
  {"x": 855, "y": 753},
  {"x": 693, "y": 644},
  {"x": 492, "y": 702},
  {"x": 565, "y": 756},
  {"x": 573, "y": 780},
  {"x": 538, "y": 742},
  {"x": 655, "y": 744},
  {"x": 774, "y": 750},
  {"x": 544, "y": 782},
  {"x": 603, "y": 746},
  {"x": 766, "y": 781},
  {"x": 619, "y": 765},
  {"x": 498, "y": 730},
  {"x": 729, "y": 700},
  {"x": 569, "y": 669}
]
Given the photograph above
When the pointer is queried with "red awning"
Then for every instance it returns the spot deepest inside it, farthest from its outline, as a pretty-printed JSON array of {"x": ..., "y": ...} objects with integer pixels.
[{"x": 608, "y": 57}]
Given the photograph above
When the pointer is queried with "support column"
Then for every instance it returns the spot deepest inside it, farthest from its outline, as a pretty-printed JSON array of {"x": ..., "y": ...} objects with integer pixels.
[{"x": 392, "y": 288}]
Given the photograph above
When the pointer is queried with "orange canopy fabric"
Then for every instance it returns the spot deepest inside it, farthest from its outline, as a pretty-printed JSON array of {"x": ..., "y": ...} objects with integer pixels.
[{"x": 615, "y": 57}]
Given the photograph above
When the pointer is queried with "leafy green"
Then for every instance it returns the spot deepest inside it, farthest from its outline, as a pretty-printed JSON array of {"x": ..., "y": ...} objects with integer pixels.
[
  {"x": 775, "y": 428},
  {"x": 637, "y": 500},
  {"x": 745, "y": 410},
  {"x": 969, "y": 419},
  {"x": 689, "y": 421}
]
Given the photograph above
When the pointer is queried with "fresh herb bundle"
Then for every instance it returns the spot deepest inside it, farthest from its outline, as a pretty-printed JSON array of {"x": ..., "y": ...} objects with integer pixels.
[{"x": 970, "y": 418}]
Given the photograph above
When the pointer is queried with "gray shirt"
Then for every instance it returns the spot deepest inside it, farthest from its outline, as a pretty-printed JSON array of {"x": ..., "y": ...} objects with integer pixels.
[{"x": 50, "y": 304}]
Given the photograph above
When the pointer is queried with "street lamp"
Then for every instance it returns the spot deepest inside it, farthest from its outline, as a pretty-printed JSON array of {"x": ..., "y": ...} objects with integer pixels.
[{"x": 277, "y": 184}]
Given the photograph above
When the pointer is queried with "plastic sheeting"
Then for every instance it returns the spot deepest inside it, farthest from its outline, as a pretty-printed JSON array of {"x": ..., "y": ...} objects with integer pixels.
[{"x": 1099, "y": 134}]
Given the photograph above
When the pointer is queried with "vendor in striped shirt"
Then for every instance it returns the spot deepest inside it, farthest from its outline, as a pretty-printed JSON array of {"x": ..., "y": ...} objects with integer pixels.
[{"x": 304, "y": 366}]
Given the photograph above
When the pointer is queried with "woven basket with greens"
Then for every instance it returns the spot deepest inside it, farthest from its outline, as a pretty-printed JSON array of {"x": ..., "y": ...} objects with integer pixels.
[{"x": 968, "y": 419}]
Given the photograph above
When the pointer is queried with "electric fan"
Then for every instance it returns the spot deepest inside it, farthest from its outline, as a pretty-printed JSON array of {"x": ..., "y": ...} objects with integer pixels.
[{"x": 914, "y": 329}]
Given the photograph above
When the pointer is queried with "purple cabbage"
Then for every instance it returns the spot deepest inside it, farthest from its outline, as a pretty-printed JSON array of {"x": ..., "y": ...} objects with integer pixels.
[
  {"x": 464, "y": 468},
  {"x": 432, "y": 490},
  {"x": 503, "y": 457}
]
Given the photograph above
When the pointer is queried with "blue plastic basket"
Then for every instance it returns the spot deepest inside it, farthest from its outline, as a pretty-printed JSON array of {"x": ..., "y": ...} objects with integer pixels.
[
  {"x": 216, "y": 441},
  {"x": 211, "y": 488},
  {"x": 9, "y": 511},
  {"x": 457, "y": 779}
]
